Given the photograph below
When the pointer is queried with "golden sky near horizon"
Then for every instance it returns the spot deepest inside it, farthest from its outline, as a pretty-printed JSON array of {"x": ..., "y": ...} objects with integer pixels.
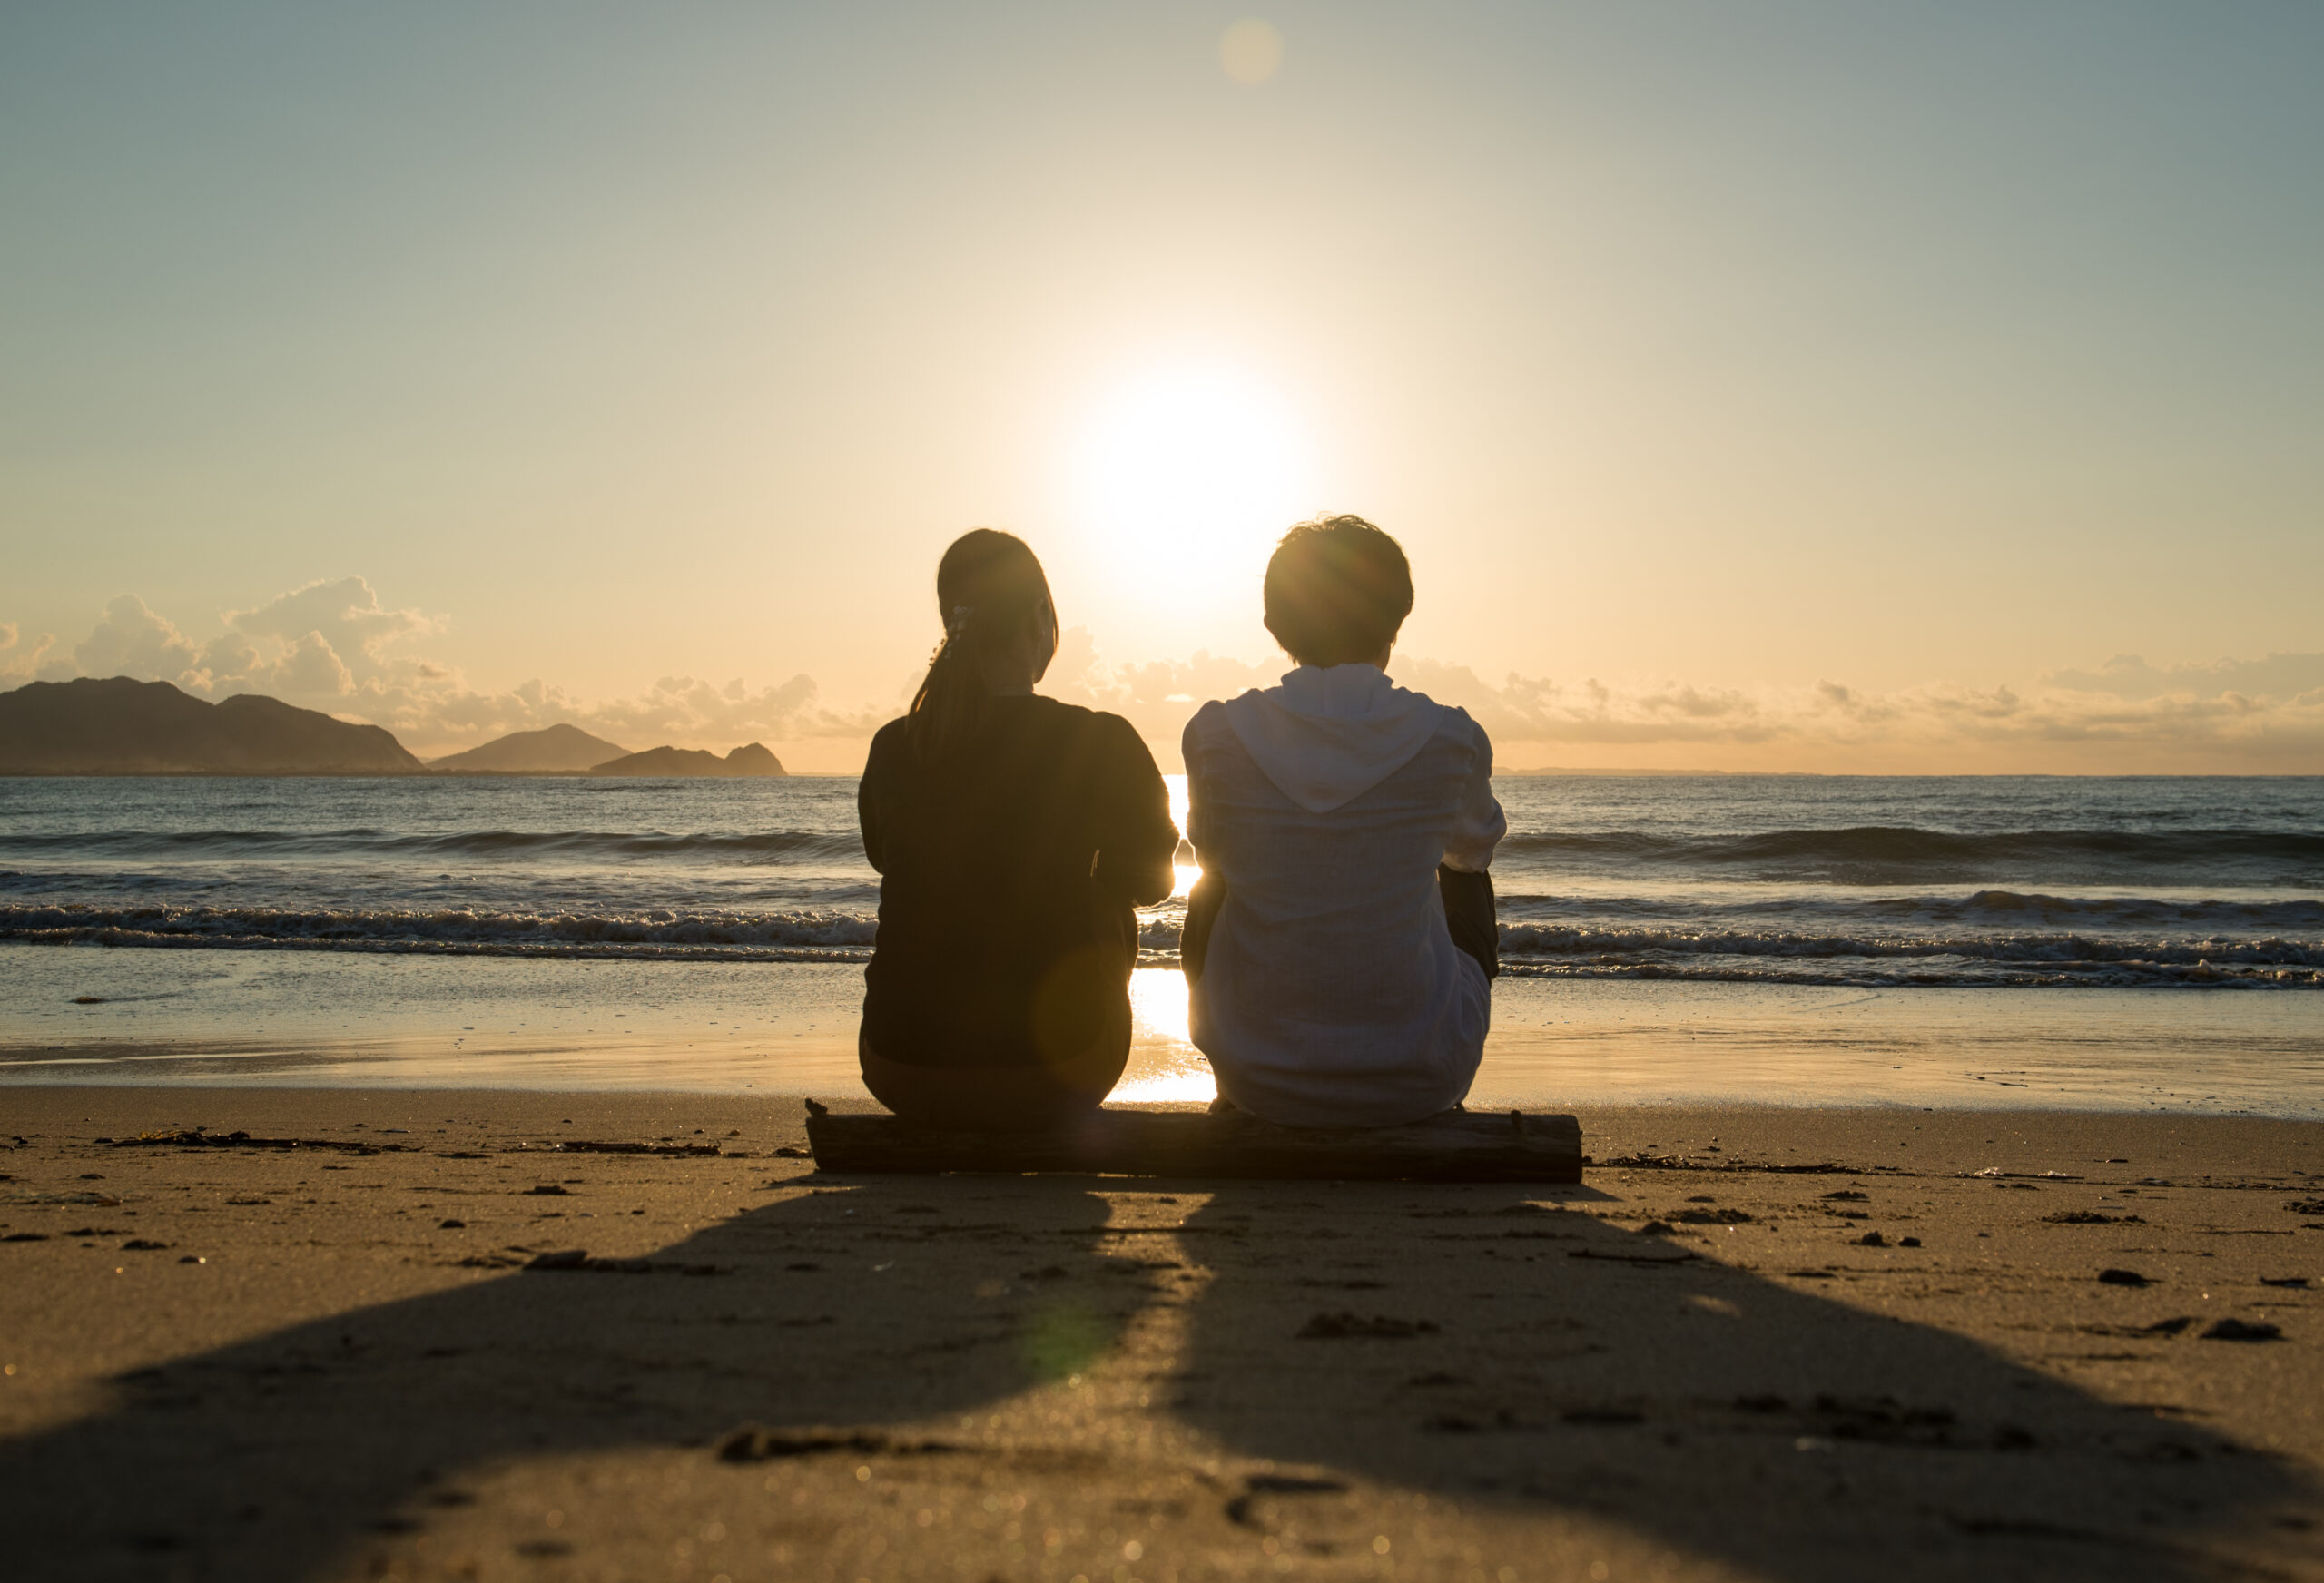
[{"x": 1760, "y": 385}]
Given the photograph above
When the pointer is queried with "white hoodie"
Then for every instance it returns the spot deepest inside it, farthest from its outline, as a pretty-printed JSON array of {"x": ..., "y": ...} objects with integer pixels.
[{"x": 1331, "y": 994}]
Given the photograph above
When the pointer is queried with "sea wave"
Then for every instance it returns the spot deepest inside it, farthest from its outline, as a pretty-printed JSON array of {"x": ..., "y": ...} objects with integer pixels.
[
  {"x": 1525, "y": 940},
  {"x": 812, "y": 936},
  {"x": 1997, "y": 909},
  {"x": 1924, "y": 973},
  {"x": 2135, "y": 911},
  {"x": 1582, "y": 950},
  {"x": 578, "y": 846},
  {"x": 1881, "y": 852},
  {"x": 2022, "y": 860}
]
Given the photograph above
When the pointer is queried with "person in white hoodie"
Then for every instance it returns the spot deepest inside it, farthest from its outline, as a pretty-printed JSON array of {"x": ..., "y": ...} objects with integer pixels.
[{"x": 1339, "y": 946}]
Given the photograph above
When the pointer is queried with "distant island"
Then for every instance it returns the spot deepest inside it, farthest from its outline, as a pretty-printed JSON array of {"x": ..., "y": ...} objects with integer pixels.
[
  {"x": 556, "y": 749},
  {"x": 120, "y": 727},
  {"x": 117, "y": 726},
  {"x": 749, "y": 760}
]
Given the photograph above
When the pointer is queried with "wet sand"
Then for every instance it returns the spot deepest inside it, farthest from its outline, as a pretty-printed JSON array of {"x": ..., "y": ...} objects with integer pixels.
[
  {"x": 351, "y": 1360},
  {"x": 352, "y": 1020}
]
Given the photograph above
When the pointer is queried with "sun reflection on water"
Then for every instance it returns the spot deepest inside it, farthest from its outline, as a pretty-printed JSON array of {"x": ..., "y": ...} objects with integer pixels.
[
  {"x": 1163, "y": 1064},
  {"x": 1158, "y": 1006}
]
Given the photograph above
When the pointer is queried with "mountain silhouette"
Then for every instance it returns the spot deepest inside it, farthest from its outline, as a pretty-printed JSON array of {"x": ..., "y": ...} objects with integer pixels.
[
  {"x": 749, "y": 760},
  {"x": 556, "y": 749},
  {"x": 120, "y": 727}
]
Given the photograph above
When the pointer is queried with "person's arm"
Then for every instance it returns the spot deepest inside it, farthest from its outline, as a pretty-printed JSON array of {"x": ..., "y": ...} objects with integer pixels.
[
  {"x": 1470, "y": 915},
  {"x": 1136, "y": 843},
  {"x": 867, "y": 806},
  {"x": 1209, "y": 892},
  {"x": 1190, "y": 755},
  {"x": 1463, "y": 878},
  {"x": 1480, "y": 824}
]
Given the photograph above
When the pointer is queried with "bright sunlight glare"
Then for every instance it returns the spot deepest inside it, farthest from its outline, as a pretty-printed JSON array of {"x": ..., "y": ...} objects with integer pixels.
[
  {"x": 1188, "y": 872},
  {"x": 1163, "y": 1067},
  {"x": 1190, "y": 477}
]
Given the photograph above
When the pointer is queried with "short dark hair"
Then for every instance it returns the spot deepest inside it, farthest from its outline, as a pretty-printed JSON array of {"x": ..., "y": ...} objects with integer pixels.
[{"x": 1338, "y": 591}]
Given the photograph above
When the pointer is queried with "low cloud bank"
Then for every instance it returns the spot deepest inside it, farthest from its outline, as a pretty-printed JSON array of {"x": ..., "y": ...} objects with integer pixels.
[
  {"x": 2064, "y": 722},
  {"x": 332, "y": 645},
  {"x": 2126, "y": 717}
]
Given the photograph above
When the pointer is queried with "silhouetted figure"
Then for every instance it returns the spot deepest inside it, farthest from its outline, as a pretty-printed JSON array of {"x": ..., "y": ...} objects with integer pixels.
[
  {"x": 1339, "y": 943},
  {"x": 1013, "y": 835}
]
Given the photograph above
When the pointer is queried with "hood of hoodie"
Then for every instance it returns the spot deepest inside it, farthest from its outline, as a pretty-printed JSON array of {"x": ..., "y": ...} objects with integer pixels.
[{"x": 1328, "y": 735}]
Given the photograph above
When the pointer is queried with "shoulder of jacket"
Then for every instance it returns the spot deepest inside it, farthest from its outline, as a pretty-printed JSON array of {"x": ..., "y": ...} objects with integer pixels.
[
  {"x": 1102, "y": 725},
  {"x": 1207, "y": 723},
  {"x": 1056, "y": 712},
  {"x": 1097, "y": 720},
  {"x": 1458, "y": 722}
]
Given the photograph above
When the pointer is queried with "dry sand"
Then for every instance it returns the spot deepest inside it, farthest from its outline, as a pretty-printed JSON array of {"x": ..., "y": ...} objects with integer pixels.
[{"x": 267, "y": 1364}]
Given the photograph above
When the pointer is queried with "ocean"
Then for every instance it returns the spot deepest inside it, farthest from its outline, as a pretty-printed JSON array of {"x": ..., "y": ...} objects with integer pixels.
[
  {"x": 2018, "y": 882},
  {"x": 1660, "y": 893}
]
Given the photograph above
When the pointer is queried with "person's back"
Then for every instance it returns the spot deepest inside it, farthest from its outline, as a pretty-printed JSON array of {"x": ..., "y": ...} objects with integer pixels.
[
  {"x": 998, "y": 937},
  {"x": 1335, "y": 815},
  {"x": 1013, "y": 835}
]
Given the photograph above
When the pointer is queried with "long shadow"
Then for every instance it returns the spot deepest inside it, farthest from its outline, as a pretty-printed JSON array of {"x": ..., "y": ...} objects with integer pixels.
[
  {"x": 1743, "y": 1417},
  {"x": 264, "y": 1462},
  {"x": 1524, "y": 1360}
]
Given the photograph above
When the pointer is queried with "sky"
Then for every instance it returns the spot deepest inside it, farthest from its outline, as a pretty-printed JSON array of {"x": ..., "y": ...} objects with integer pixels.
[{"x": 1756, "y": 385}]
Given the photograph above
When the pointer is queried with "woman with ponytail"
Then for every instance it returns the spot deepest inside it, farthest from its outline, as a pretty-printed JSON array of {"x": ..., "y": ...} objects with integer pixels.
[{"x": 1013, "y": 835}]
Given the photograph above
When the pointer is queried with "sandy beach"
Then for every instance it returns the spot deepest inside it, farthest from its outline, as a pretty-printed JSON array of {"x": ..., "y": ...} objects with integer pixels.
[
  {"x": 445, "y": 1338},
  {"x": 1740, "y": 580}
]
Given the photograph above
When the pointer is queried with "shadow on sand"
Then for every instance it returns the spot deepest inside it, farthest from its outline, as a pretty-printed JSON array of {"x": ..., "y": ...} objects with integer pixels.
[
  {"x": 1747, "y": 1420},
  {"x": 1575, "y": 1367}
]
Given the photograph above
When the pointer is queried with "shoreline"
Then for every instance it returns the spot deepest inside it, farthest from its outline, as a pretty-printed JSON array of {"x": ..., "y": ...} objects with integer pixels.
[
  {"x": 1512, "y": 1078},
  {"x": 1551, "y": 773},
  {"x": 1694, "y": 1365},
  {"x": 423, "y": 773},
  {"x": 329, "y": 1019}
]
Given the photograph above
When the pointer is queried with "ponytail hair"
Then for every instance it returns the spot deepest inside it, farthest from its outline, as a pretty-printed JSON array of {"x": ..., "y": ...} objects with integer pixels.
[{"x": 988, "y": 585}]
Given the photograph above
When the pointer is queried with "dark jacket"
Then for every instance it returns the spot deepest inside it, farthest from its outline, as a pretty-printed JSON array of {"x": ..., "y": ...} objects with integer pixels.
[{"x": 1009, "y": 873}]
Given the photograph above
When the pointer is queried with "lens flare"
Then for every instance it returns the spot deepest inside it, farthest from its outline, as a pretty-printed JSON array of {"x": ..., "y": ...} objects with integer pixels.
[{"x": 1250, "y": 51}]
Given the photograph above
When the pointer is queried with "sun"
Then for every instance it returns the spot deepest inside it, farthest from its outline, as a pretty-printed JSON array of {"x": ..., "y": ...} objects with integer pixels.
[{"x": 1191, "y": 474}]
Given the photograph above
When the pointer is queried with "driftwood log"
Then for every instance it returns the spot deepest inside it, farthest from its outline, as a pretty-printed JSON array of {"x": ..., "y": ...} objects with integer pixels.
[{"x": 1460, "y": 1146}]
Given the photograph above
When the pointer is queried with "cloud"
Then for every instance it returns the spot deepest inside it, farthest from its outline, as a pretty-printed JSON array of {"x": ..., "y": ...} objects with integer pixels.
[
  {"x": 344, "y": 613},
  {"x": 681, "y": 706},
  {"x": 128, "y": 640},
  {"x": 332, "y": 645},
  {"x": 311, "y": 668},
  {"x": 2249, "y": 716},
  {"x": 18, "y": 664},
  {"x": 2259, "y": 716},
  {"x": 1156, "y": 696},
  {"x": 227, "y": 657},
  {"x": 433, "y": 713},
  {"x": 322, "y": 646},
  {"x": 2130, "y": 676}
]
